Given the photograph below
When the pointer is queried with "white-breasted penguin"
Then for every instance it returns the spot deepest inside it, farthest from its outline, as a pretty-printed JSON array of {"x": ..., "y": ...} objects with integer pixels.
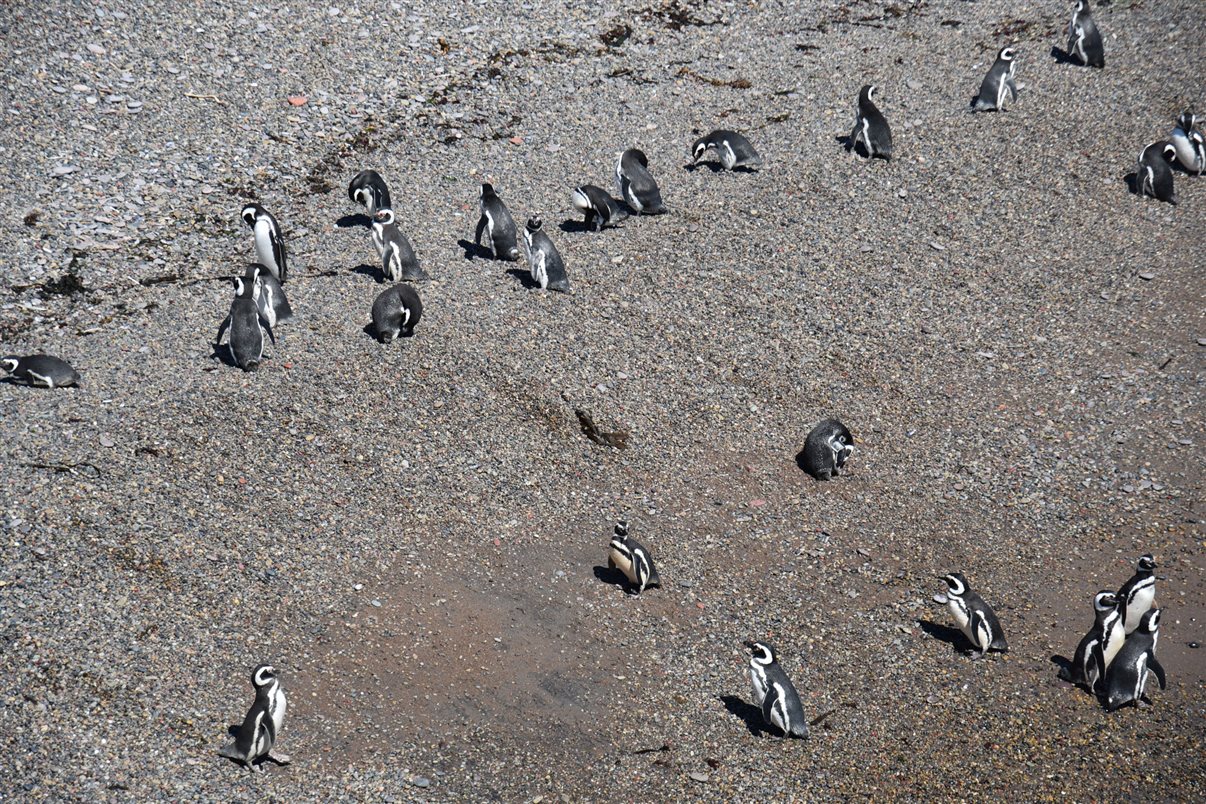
[
  {"x": 1084, "y": 40},
  {"x": 828, "y": 446},
  {"x": 247, "y": 326},
  {"x": 597, "y": 205},
  {"x": 975, "y": 618},
  {"x": 1189, "y": 144},
  {"x": 40, "y": 371},
  {"x": 370, "y": 191},
  {"x": 396, "y": 312},
  {"x": 1128, "y": 674},
  {"x": 637, "y": 185},
  {"x": 631, "y": 558},
  {"x": 1153, "y": 174},
  {"x": 498, "y": 225},
  {"x": 870, "y": 126},
  {"x": 269, "y": 241},
  {"x": 262, "y": 726},
  {"x": 272, "y": 303},
  {"x": 1138, "y": 594},
  {"x": 774, "y": 693},
  {"x": 734, "y": 150},
  {"x": 398, "y": 259},
  {"x": 544, "y": 261},
  {"x": 997, "y": 83},
  {"x": 1099, "y": 646}
]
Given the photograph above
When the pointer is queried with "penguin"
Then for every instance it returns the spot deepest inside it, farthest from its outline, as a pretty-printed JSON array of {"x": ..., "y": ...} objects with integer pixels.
[
  {"x": 774, "y": 693},
  {"x": 370, "y": 191},
  {"x": 272, "y": 304},
  {"x": 1136, "y": 596},
  {"x": 733, "y": 149},
  {"x": 976, "y": 618},
  {"x": 1128, "y": 674},
  {"x": 1087, "y": 668},
  {"x": 870, "y": 126},
  {"x": 1189, "y": 144},
  {"x": 997, "y": 84},
  {"x": 41, "y": 371},
  {"x": 828, "y": 446},
  {"x": 398, "y": 260},
  {"x": 396, "y": 312},
  {"x": 628, "y": 556},
  {"x": 600, "y": 209},
  {"x": 498, "y": 225},
  {"x": 545, "y": 264},
  {"x": 269, "y": 242},
  {"x": 247, "y": 326},
  {"x": 1154, "y": 174},
  {"x": 637, "y": 186},
  {"x": 262, "y": 726},
  {"x": 1084, "y": 41}
]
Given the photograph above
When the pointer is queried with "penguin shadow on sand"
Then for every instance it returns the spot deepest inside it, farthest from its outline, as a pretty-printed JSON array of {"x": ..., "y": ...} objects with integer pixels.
[
  {"x": 1132, "y": 182},
  {"x": 224, "y": 355},
  {"x": 574, "y": 226},
  {"x": 358, "y": 219},
  {"x": 848, "y": 144},
  {"x": 475, "y": 251},
  {"x": 525, "y": 278},
  {"x": 1062, "y": 56},
  {"x": 371, "y": 331},
  {"x": 367, "y": 269},
  {"x": 232, "y": 731},
  {"x": 944, "y": 633},
  {"x": 613, "y": 577},
  {"x": 749, "y": 714}
]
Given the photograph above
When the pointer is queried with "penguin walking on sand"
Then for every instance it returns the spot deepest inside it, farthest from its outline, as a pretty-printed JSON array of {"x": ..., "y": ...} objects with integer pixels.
[
  {"x": 262, "y": 727},
  {"x": 774, "y": 693},
  {"x": 40, "y": 371},
  {"x": 597, "y": 205},
  {"x": 370, "y": 191},
  {"x": 544, "y": 261},
  {"x": 1128, "y": 674},
  {"x": 628, "y": 556},
  {"x": 637, "y": 185},
  {"x": 271, "y": 302},
  {"x": 975, "y": 618},
  {"x": 1154, "y": 174},
  {"x": 398, "y": 259},
  {"x": 247, "y": 326},
  {"x": 396, "y": 312},
  {"x": 734, "y": 150},
  {"x": 1189, "y": 144},
  {"x": 870, "y": 126},
  {"x": 828, "y": 446},
  {"x": 498, "y": 225},
  {"x": 1138, "y": 594},
  {"x": 269, "y": 242},
  {"x": 1084, "y": 41},
  {"x": 1099, "y": 646},
  {"x": 998, "y": 83}
]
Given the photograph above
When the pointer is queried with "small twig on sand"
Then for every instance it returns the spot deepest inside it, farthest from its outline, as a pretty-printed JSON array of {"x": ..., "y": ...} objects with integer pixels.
[{"x": 199, "y": 96}]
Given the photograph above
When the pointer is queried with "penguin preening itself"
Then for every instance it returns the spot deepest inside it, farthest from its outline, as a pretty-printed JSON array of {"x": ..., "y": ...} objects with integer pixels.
[
  {"x": 370, "y": 191},
  {"x": 544, "y": 261},
  {"x": 597, "y": 205},
  {"x": 734, "y": 150},
  {"x": 1084, "y": 40},
  {"x": 271, "y": 302},
  {"x": 41, "y": 371},
  {"x": 637, "y": 185},
  {"x": 398, "y": 259},
  {"x": 1154, "y": 174},
  {"x": 628, "y": 556},
  {"x": 269, "y": 242},
  {"x": 262, "y": 726},
  {"x": 870, "y": 126},
  {"x": 498, "y": 225},
  {"x": 828, "y": 446},
  {"x": 1189, "y": 144},
  {"x": 975, "y": 618},
  {"x": 1099, "y": 646},
  {"x": 1138, "y": 594},
  {"x": 774, "y": 693},
  {"x": 1129, "y": 672},
  {"x": 247, "y": 326},
  {"x": 396, "y": 312},
  {"x": 998, "y": 83}
]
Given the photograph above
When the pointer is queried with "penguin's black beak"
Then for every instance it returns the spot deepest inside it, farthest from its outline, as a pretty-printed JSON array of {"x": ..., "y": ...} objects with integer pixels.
[{"x": 749, "y": 644}]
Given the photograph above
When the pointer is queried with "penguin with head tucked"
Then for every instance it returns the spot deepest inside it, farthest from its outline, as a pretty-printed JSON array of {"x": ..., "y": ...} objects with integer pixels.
[
  {"x": 271, "y": 302},
  {"x": 734, "y": 150},
  {"x": 828, "y": 446},
  {"x": 1153, "y": 174},
  {"x": 597, "y": 205},
  {"x": 370, "y": 191},
  {"x": 1189, "y": 144},
  {"x": 544, "y": 261},
  {"x": 637, "y": 185},
  {"x": 396, "y": 312},
  {"x": 997, "y": 84},
  {"x": 498, "y": 226}
]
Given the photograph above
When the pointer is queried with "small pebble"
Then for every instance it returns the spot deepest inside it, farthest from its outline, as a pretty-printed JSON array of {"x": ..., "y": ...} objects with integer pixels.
[{"x": 699, "y": 776}]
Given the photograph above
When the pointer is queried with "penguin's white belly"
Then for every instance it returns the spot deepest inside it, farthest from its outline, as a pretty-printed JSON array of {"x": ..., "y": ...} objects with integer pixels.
[
  {"x": 263, "y": 245},
  {"x": 623, "y": 564},
  {"x": 962, "y": 618},
  {"x": 757, "y": 686}
]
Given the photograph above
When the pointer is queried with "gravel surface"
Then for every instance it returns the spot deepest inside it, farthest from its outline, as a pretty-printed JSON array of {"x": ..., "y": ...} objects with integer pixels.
[{"x": 415, "y": 533}]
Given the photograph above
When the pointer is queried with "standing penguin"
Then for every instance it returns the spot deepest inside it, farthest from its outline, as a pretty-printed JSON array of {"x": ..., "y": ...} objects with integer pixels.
[
  {"x": 40, "y": 371},
  {"x": 997, "y": 84},
  {"x": 262, "y": 726},
  {"x": 269, "y": 242},
  {"x": 1154, "y": 175},
  {"x": 271, "y": 302},
  {"x": 498, "y": 225},
  {"x": 1136, "y": 596},
  {"x": 628, "y": 556},
  {"x": 637, "y": 186},
  {"x": 828, "y": 446},
  {"x": 733, "y": 149},
  {"x": 600, "y": 209},
  {"x": 1128, "y": 674},
  {"x": 870, "y": 126},
  {"x": 774, "y": 693},
  {"x": 544, "y": 261},
  {"x": 370, "y": 191},
  {"x": 1084, "y": 41},
  {"x": 396, "y": 312},
  {"x": 976, "y": 618},
  {"x": 1189, "y": 144},
  {"x": 398, "y": 260},
  {"x": 1099, "y": 646},
  {"x": 247, "y": 327}
]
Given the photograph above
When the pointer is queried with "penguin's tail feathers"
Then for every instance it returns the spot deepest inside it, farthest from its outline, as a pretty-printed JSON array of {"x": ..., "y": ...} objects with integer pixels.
[
  {"x": 513, "y": 253},
  {"x": 230, "y": 751}
]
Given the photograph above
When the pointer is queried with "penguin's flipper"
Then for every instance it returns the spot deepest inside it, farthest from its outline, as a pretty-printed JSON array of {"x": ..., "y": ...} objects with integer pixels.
[
  {"x": 278, "y": 254},
  {"x": 1013, "y": 89},
  {"x": 225, "y": 325},
  {"x": 1154, "y": 665},
  {"x": 481, "y": 227},
  {"x": 268, "y": 328}
]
